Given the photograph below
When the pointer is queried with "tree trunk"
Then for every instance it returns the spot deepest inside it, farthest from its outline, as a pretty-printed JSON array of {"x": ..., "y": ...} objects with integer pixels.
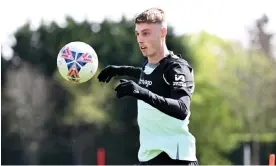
[{"x": 255, "y": 152}]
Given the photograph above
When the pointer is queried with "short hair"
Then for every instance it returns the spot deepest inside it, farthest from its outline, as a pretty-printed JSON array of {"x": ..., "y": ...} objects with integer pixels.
[{"x": 152, "y": 16}]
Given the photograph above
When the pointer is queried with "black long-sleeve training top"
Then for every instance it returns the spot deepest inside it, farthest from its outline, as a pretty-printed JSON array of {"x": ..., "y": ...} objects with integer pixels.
[{"x": 170, "y": 83}]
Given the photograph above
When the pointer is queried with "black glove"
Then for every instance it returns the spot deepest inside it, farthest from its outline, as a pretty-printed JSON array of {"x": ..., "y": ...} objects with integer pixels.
[
  {"x": 110, "y": 71},
  {"x": 130, "y": 88}
]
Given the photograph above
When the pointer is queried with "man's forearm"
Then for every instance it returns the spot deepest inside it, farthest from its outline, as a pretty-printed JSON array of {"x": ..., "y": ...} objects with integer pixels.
[
  {"x": 177, "y": 108},
  {"x": 132, "y": 71}
]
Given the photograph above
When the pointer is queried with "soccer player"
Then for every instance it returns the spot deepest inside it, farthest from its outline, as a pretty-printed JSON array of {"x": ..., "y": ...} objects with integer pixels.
[{"x": 164, "y": 92}]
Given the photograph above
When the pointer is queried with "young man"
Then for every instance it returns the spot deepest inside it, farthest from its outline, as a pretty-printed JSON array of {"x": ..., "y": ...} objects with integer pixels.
[{"x": 164, "y": 92}]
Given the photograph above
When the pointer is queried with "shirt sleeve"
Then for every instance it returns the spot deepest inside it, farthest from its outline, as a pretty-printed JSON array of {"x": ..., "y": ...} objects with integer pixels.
[
  {"x": 132, "y": 71},
  {"x": 180, "y": 79}
]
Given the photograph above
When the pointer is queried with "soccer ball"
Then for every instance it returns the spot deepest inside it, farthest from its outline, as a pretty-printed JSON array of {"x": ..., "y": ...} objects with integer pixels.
[{"x": 77, "y": 62}]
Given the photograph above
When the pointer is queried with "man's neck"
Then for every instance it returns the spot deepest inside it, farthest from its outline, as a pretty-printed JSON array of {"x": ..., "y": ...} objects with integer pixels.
[{"x": 159, "y": 56}]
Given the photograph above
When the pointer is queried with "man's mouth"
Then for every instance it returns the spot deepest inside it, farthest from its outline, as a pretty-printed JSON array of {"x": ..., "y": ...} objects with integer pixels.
[{"x": 143, "y": 48}]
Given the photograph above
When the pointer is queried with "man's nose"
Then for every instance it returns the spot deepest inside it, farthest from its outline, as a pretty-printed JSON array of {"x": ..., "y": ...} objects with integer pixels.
[{"x": 140, "y": 40}]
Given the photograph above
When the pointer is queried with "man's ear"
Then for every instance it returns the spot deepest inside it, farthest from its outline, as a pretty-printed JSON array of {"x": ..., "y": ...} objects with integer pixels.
[{"x": 163, "y": 32}]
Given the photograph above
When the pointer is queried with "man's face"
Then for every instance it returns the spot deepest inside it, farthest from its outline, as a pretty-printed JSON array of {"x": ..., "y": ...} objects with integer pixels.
[{"x": 149, "y": 38}]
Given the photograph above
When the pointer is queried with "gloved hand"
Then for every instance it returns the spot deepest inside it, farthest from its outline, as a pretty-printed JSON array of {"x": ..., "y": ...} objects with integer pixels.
[
  {"x": 130, "y": 88},
  {"x": 110, "y": 71}
]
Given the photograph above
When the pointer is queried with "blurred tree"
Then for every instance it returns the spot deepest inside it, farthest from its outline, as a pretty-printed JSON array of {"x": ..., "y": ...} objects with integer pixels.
[
  {"x": 249, "y": 87},
  {"x": 248, "y": 78},
  {"x": 4, "y": 67},
  {"x": 28, "y": 90},
  {"x": 260, "y": 38},
  {"x": 211, "y": 115}
]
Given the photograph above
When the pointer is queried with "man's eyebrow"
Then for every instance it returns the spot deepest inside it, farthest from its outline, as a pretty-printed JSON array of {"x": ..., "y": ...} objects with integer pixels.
[{"x": 143, "y": 30}]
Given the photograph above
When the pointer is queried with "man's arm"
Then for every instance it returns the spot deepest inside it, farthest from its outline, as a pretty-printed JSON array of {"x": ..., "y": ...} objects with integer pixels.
[
  {"x": 181, "y": 82},
  {"x": 131, "y": 71}
]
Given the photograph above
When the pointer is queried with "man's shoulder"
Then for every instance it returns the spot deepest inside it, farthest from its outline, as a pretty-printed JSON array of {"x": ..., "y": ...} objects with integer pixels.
[{"x": 176, "y": 60}]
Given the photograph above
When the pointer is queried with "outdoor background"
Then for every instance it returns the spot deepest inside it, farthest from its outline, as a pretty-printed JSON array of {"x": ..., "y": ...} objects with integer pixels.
[{"x": 46, "y": 120}]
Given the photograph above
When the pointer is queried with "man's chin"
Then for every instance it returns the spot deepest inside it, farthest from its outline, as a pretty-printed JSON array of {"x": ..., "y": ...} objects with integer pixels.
[{"x": 144, "y": 54}]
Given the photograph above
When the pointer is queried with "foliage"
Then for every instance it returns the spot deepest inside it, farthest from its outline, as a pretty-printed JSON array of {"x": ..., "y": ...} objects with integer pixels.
[{"x": 211, "y": 119}]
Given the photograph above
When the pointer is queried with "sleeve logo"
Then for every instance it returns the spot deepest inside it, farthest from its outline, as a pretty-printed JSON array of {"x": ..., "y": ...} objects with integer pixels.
[
  {"x": 178, "y": 77},
  {"x": 179, "y": 80}
]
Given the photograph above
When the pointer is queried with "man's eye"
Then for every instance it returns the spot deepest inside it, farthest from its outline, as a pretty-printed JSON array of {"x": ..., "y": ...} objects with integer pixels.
[{"x": 145, "y": 33}]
